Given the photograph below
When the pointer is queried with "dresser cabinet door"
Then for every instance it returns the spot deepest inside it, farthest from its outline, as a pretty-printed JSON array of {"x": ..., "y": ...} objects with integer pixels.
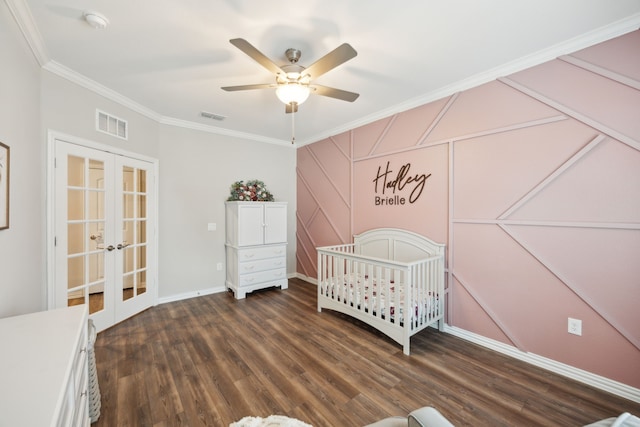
[
  {"x": 275, "y": 221},
  {"x": 250, "y": 224}
]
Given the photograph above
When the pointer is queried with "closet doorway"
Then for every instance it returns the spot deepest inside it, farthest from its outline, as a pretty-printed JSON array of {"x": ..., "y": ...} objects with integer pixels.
[{"x": 104, "y": 231}]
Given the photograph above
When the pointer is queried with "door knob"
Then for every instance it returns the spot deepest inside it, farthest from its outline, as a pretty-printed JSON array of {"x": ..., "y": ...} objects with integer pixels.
[
  {"x": 110, "y": 248},
  {"x": 121, "y": 246}
]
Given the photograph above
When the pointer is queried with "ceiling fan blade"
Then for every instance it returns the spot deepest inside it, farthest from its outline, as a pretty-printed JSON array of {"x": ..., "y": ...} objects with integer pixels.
[
  {"x": 291, "y": 108},
  {"x": 256, "y": 55},
  {"x": 334, "y": 93},
  {"x": 248, "y": 87},
  {"x": 331, "y": 60}
]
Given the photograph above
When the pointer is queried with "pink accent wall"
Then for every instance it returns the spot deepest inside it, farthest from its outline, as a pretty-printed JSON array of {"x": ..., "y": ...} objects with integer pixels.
[{"x": 533, "y": 184}]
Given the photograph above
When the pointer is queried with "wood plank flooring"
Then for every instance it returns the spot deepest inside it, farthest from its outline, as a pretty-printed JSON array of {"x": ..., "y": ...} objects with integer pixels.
[{"x": 211, "y": 360}]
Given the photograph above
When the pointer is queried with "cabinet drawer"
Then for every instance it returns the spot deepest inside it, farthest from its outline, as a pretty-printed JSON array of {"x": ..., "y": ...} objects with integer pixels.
[
  {"x": 250, "y": 254},
  {"x": 262, "y": 265},
  {"x": 263, "y": 276}
]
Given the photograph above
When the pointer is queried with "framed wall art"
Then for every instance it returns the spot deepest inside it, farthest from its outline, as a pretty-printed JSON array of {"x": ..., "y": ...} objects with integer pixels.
[{"x": 4, "y": 186}]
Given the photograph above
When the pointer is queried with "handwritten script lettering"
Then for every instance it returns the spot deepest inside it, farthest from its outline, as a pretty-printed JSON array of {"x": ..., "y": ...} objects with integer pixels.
[{"x": 386, "y": 180}]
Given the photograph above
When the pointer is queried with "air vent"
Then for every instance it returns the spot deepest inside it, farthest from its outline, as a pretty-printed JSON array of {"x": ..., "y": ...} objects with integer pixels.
[
  {"x": 111, "y": 125},
  {"x": 212, "y": 116}
]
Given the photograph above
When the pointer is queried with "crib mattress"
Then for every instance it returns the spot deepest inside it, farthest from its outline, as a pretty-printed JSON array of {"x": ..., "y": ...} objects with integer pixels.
[{"x": 373, "y": 295}]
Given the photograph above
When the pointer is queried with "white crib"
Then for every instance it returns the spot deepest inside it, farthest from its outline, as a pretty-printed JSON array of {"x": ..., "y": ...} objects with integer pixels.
[{"x": 384, "y": 272}]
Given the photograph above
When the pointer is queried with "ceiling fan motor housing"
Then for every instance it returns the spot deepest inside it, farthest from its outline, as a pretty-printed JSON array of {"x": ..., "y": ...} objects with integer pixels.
[{"x": 293, "y": 55}]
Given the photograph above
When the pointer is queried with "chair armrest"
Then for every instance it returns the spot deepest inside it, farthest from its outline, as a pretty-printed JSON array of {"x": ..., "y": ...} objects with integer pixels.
[{"x": 427, "y": 417}]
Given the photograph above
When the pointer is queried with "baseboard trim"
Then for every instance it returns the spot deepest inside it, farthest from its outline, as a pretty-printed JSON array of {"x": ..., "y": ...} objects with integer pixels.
[
  {"x": 201, "y": 292},
  {"x": 311, "y": 280},
  {"x": 193, "y": 294},
  {"x": 597, "y": 381}
]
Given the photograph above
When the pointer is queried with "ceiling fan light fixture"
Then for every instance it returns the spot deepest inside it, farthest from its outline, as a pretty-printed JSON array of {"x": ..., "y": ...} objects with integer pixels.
[{"x": 292, "y": 92}]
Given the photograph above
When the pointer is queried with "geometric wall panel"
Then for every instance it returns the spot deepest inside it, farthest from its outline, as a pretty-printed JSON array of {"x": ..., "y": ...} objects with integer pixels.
[
  {"x": 534, "y": 186},
  {"x": 612, "y": 104},
  {"x": 600, "y": 187},
  {"x": 526, "y": 156},
  {"x": 488, "y": 107},
  {"x": 613, "y": 55},
  {"x": 405, "y": 133},
  {"x": 592, "y": 262}
]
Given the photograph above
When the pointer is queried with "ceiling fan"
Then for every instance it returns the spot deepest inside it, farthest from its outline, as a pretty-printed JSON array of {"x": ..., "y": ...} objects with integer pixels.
[{"x": 294, "y": 82}]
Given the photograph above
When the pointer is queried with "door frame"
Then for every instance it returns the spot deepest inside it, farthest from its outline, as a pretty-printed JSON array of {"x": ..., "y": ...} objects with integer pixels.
[{"x": 52, "y": 136}]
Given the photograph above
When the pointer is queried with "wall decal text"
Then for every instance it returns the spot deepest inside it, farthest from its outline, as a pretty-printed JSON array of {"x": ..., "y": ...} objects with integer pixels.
[{"x": 386, "y": 180}]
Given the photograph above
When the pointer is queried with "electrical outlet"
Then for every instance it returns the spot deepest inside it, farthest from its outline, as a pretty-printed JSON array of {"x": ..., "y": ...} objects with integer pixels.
[
  {"x": 219, "y": 266},
  {"x": 211, "y": 226},
  {"x": 575, "y": 326}
]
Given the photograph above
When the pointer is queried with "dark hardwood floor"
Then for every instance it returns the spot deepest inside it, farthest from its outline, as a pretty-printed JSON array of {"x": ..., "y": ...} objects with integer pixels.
[{"x": 211, "y": 360}]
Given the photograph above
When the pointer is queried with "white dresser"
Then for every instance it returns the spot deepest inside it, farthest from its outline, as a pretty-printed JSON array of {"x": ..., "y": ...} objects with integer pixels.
[
  {"x": 43, "y": 369},
  {"x": 256, "y": 246}
]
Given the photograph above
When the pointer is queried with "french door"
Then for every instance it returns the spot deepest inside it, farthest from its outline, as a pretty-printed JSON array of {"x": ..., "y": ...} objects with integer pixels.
[{"x": 104, "y": 232}]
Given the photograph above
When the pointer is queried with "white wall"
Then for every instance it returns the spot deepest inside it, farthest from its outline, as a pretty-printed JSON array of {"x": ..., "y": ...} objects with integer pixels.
[
  {"x": 195, "y": 173},
  {"x": 22, "y": 266},
  {"x": 197, "y": 170}
]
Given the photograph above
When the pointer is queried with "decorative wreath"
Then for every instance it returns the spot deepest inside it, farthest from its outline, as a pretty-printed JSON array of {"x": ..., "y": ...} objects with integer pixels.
[{"x": 251, "y": 191}]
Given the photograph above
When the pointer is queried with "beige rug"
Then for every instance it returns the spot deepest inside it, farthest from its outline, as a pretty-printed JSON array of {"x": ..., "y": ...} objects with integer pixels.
[{"x": 270, "y": 421}]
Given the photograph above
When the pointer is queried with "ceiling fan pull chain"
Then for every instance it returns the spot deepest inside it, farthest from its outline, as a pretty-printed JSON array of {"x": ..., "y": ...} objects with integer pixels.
[{"x": 293, "y": 122}]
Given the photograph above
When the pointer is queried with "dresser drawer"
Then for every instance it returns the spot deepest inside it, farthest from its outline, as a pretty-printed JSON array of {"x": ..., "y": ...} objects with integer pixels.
[
  {"x": 81, "y": 416},
  {"x": 261, "y": 265},
  {"x": 263, "y": 276},
  {"x": 80, "y": 364},
  {"x": 250, "y": 254}
]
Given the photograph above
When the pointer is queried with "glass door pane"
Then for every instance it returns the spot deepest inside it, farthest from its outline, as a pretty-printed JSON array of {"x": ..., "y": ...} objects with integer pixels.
[
  {"x": 134, "y": 259},
  {"x": 85, "y": 232}
]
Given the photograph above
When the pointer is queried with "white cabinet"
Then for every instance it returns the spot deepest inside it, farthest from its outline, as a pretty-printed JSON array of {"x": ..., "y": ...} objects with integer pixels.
[
  {"x": 43, "y": 366},
  {"x": 256, "y": 246}
]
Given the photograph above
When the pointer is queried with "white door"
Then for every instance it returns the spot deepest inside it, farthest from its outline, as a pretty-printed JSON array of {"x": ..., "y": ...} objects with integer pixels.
[{"x": 103, "y": 228}]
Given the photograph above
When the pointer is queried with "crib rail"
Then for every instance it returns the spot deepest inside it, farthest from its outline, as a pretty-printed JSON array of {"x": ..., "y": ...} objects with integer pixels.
[{"x": 397, "y": 298}]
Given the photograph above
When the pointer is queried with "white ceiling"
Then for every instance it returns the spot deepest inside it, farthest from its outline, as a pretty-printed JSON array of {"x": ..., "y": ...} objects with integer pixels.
[{"x": 168, "y": 59}]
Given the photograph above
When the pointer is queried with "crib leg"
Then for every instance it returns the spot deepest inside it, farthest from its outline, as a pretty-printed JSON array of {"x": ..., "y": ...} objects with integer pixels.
[
  {"x": 441, "y": 325},
  {"x": 405, "y": 347}
]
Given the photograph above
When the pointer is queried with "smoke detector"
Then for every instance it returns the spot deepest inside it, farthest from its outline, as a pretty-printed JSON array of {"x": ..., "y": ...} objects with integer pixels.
[{"x": 96, "y": 20}]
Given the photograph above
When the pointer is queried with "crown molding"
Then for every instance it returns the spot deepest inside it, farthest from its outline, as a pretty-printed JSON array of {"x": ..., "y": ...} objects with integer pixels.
[
  {"x": 25, "y": 21},
  {"x": 619, "y": 28},
  {"x": 221, "y": 131},
  {"x": 79, "y": 79},
  {"x": 23, "y": 17}
]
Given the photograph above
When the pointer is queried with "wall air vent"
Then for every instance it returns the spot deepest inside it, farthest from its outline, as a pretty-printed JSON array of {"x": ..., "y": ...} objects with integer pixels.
[
  {"x": 212, "y": 116},
  {"x": 111, "y": 125}
]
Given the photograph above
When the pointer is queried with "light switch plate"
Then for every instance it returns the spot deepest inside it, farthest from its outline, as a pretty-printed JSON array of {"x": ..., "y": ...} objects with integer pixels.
[{"x": 211, "y": 226}]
